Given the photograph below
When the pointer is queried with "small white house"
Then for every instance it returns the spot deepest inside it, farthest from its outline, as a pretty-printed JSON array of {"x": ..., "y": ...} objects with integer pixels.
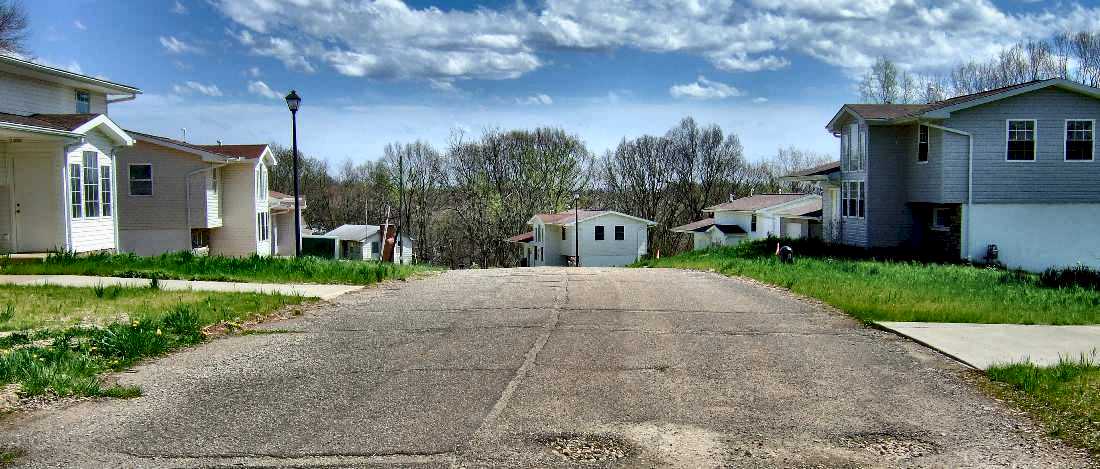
[
  {"x": 370, "y": 242},
  {"x": 58, "y": 184},
  {"x": 759, "y": 216},
  {"x": 607, "y": 238}
]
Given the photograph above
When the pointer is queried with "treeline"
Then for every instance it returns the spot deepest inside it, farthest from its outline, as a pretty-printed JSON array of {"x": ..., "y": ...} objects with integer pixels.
[
  {"x": 461, "y": 203},
  {"x": 1068, "y": 55}
]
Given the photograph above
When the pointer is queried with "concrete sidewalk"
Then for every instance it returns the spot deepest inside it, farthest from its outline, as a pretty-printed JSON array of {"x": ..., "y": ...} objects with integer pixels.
[
  {"x": 324, "y": 292},
  {"x": 984, "y": 345}
]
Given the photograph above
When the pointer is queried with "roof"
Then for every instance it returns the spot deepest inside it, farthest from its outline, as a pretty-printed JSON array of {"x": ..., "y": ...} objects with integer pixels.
[
  {"x": 66, "y": 122},
  {"x": 755, "y": 202},
  {"x": 281, "y": 202},
  {"x": 700, "y": 225},
  {"x": 251, "y": 151},
  {"x": 20, "y": 66},
  {"x": 568, "y": 217},
  {"x": 731, "y": 229},
  {"x": 522, "y": 238},
  {"x": 68, "y": 125},
  {"x": 819, "y": 170},
  {"x": 353, "y": 232},
  {"x": 885, "y": 111},
  {"x": 801, "y": 209}
]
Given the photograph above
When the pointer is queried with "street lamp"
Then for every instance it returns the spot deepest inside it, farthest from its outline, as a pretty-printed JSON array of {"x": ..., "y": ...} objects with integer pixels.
[
  {"x": 292, "y": 102},
  {"x": 577, "y": 228}
]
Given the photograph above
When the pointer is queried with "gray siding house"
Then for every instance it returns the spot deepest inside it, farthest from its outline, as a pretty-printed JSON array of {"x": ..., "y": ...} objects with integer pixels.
[{"x": 1008, "y": 175}]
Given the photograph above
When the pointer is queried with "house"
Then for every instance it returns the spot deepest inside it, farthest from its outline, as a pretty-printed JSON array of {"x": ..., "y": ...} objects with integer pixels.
[
  {"x": 607, "y": 238},
  {"x": 791, "y": 215},
  {"x": 211, "y": 199},
  {"x": 58, "y": 168},
  {"x": 1008, "y": 175},
  {"x": 364, "y": 242}
]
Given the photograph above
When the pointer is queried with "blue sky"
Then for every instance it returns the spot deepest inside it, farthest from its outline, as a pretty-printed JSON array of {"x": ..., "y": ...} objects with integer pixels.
[{"x": 376, "y": 72}]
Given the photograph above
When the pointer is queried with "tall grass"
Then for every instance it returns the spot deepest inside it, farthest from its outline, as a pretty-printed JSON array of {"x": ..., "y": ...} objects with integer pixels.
[
  {"x": 901, "y": 290},
  {"x": 186, "y": 266}
]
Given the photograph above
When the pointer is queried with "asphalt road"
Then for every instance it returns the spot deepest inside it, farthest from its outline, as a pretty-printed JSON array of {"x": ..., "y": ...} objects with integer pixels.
[{"x": 505, "y": 368}]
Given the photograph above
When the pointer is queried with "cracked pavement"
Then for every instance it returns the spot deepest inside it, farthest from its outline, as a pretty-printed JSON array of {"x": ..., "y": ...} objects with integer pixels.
[{"x": 476, "y": 368}]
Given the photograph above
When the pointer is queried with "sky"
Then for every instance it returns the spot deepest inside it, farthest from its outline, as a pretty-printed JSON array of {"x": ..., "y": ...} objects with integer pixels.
[{"x": 374, "y": 72}]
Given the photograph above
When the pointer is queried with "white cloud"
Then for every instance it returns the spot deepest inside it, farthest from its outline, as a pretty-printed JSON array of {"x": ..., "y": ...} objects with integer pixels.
[
  {"x": 703, "y": 88},
  {"x": 540, "y": 99},
  {"x": 253, "y": 72},
  {"x": 389, "y": 39},
  {"x": 72, "y": 66},
  {"x": 176, "y": 46},
  {"x": 179, "y": 9},
  {"x": 79, "y": 25},
  {"x": 196, "y": 87},
  {"x": 760, "y": 100},
  {"x": 258, "y": 87}
]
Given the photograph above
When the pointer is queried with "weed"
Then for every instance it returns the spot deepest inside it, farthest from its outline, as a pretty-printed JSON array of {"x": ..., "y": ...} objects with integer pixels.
[
  {"x": 154, "y": 283},
  {"x": 8, "y": 313},
  {"x": 8, "y": 455}
]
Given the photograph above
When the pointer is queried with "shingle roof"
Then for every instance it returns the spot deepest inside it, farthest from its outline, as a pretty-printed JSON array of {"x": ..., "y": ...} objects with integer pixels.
[
  {"x": 66, "y": 122},
  {"x": 756, "y": 202},
  {"x": 700, "y": 225},
  {"x": 522, "y": 238},
  {"x": 568, "y": 216},
  {"x": 353, "y": 232},
  {"x": 819, "y": 170},
  {"x": 802, "y": 209},
  {"x": 894, "y": 111},
  {"x": 237, "y": 151}
]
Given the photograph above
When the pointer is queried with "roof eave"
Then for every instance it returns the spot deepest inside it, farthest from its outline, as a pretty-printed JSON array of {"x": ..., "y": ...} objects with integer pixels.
[{"x": 40, "y": 130}]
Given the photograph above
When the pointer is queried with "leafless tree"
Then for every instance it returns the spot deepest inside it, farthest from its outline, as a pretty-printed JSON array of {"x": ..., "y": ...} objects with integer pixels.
[{"x": 13, "y": 26}]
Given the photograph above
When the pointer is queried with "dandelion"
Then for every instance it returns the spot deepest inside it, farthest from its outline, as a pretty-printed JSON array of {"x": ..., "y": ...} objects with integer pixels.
[{"x": 158, "y": 331}]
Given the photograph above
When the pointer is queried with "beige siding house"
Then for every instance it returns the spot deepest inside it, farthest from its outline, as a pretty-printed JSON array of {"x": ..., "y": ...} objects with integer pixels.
[
  {"x": 211, "y": 199},
  {"x": 607, "y": 238},
  {"x": 58, "y": 168}
]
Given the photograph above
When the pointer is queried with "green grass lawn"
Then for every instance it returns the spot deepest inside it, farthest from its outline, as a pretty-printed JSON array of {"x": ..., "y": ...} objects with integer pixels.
[
  {"x": 903, "y": 291},
  {"x": 1065, "y": 397},
  {"x": 60, "y": 340},
  {"x": 186, "y": 266}
]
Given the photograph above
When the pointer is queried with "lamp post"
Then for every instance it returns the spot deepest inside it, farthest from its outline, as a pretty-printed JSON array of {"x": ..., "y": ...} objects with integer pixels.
[
  {"x": 292, "y": 102},
  {"x": 577, "y": 227}
]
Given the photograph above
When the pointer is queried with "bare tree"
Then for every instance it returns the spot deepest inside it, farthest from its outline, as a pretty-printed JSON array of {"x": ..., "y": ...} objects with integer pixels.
[
  {"x": 13, "y": 26},
  {"x": 887, "y": 83}
]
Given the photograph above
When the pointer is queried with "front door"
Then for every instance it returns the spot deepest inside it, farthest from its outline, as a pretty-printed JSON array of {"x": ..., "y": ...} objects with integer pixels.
[{"x": 34, "y": 204}]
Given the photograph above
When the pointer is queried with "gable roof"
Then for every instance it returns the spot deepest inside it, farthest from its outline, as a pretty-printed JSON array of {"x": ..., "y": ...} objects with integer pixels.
[
  {"x": 353, "y": 232},
  {"x": 70, "y": 125},
  {"x": 250, "y": 151},
  {"x": 801, "y": 209},
  {"x": 756, "y": 202},
  {"x": 700, "y": 225},
  {"x": 569, "y": 217},
  {"x": 522, "y": 238},
  {"x": 943, "y": 109},
  {"x": 205, "y": 154},
  {"x": 23, "y": 67},
  {"x": 820, "y": 170}
]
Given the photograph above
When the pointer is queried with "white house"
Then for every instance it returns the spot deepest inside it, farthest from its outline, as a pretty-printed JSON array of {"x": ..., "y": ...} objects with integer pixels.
[
  {"x": 214, "y": 199},
  {"x": 58, "y": 184},
  {"x": 607, "y": 238},
  {"x": 759, "y": 216},
  {"x": 365, "y": 242}
]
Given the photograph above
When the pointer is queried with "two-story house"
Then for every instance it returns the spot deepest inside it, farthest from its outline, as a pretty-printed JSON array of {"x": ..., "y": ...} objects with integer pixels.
[
  {"x": 214, "y": 199},
  {"x": 1008, "y": 175},
  {"x": 789, "y": 215},
  {"x": 607, "y": 238},
  {"x": 58, "y": 159}
]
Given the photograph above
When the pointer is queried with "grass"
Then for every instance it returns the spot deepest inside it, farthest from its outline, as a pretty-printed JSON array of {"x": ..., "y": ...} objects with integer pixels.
[
  {"x": 68, "y": 337},
  {"x": 877, "y": 290},
  {"x": 1064, "y": 397},
  {"x": 186, "y": 266}
]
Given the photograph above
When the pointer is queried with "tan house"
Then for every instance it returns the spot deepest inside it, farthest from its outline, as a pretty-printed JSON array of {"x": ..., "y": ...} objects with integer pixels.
[
  {"x": 58, "y": 167},
  {"x": 211, "y": 199}
]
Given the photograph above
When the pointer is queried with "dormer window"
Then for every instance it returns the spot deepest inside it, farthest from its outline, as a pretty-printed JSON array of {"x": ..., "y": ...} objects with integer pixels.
[{"x": 83, "y": 102}]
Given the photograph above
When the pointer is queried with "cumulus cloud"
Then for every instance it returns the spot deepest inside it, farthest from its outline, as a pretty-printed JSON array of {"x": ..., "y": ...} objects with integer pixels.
[
  {"x": 703, "y": 88},
  {"x": 79, "y": 25},
  {"x": 389, "y": 39},
  {"x": 539, "y": 99},
  {"x": 179, "y": 9},
  {"x": 196, "y": 87},
  {"x": 260, "y": 88},
  {"x": 176, "y": 46}
]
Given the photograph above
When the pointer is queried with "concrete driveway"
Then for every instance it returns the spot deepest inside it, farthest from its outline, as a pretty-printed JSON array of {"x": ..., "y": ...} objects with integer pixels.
[{"x": 548, "y": 367}]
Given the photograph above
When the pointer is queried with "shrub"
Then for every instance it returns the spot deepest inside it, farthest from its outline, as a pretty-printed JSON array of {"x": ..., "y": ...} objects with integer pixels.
[{"x": 1076, "y": 276}]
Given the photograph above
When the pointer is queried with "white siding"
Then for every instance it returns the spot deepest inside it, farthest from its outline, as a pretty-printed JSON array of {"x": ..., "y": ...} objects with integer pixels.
[
  {"x": 1037, "y": 236},
  {"x": 25, "y": 96},
  {"x": 261, "y": 206},
  {"x": 98, "y": 233},
  {"x": 610, "y": 252},
  {"x": 212, "y": 198}
]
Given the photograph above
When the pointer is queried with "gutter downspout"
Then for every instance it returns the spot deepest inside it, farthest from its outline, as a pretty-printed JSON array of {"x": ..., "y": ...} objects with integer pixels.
[{"x": 969, "y": 183}]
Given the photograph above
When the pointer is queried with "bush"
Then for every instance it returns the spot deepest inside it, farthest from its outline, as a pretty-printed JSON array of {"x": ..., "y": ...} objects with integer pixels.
[{"x": 1076, "y": 276}]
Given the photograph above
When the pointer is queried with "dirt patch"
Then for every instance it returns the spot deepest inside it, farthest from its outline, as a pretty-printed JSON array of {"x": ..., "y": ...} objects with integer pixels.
[
  {"x": 677, "y": 446},
  {"x": 588, "y": 448},
  {"x": 890, "y": 446}
]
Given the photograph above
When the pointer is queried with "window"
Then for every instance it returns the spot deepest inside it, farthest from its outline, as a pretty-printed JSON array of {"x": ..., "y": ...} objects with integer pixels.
[
  {"x": 620, "y": 232},
  {"x": 214, "y": 173},
  {"x": 83, "y": 102},
  {"x": 854, "y": 196},
  {"x": 852, "y": 148},
  {"x": 200, "y": 238},
  {"x": 1079, "y": 140},
  {"x": 1021, "y": 140},
  {"x": 91, "y": 184},
  {"x": 941, "y": 217},
  {"x": 922, "y": 144},
  {"x": 75, "y": 190},
  {"x": 263, "y": 226},
  {"x": 141, "y": 179},
  {"x": 752, "y": 224},
  {"x": 261, "y": 182},
  {"x": 599, "y": 232},
  {"x": 374, "y": 249},
  {"x": 105, "y": 189}
]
